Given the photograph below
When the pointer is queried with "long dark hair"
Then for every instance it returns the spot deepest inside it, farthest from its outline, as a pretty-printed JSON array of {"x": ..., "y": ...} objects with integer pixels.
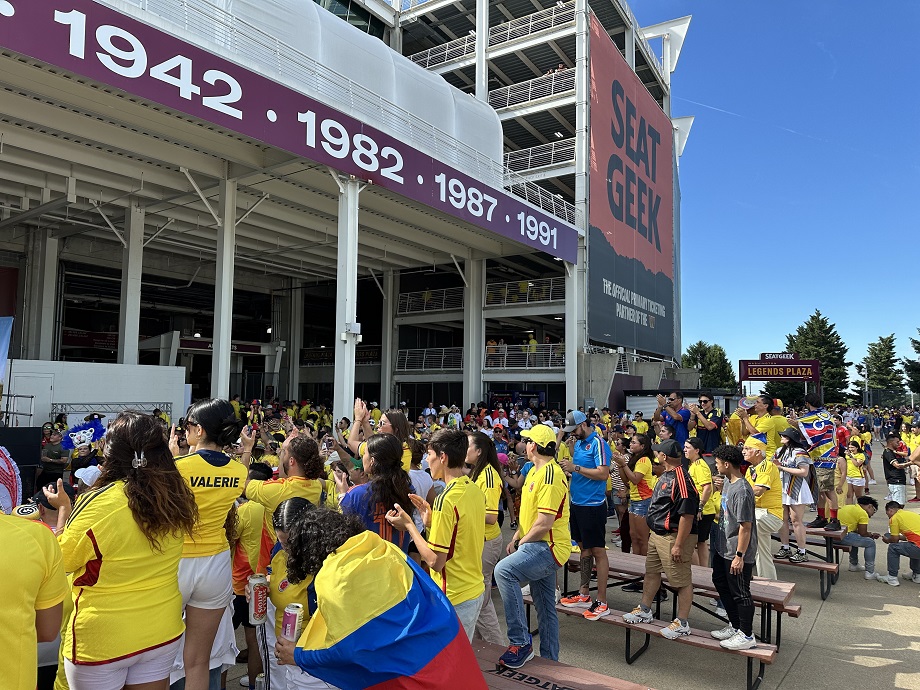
[
  {"x": 646, "y": 451},
  {"x": 159, "y": 498},
  {"x": 402, "y": 430},
  {"x": 313, "y": 535},
  {"x": 487, "y": 454},
  {"x": 389, "y": 483},
  {"x": 217, "y": 418}
]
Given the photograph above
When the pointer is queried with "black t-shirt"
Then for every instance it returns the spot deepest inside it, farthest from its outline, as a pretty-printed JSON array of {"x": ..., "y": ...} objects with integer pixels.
[
  {"x": 710, "y": 438},
  {"x": 893, "y": 475},
  {"x": 674, "y": 495},
  {"x": 53, "y": 451}
]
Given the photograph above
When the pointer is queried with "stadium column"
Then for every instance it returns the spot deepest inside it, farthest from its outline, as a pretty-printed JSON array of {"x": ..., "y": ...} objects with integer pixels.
[
  {"x": 482, "y": 43},
  {"x": 473, "y": 330},
  {"x": 390, "y": 297},
  {"x": 223, "y": 291},
  {"x": 630, "y": 36},
  {"x": 574, "y": 324},
  {"x": 348, "y": 329},
  {"x": 42, "y": 269},
  {"x": 132, "y": 263},
  {"x": 293, "y": 333}
]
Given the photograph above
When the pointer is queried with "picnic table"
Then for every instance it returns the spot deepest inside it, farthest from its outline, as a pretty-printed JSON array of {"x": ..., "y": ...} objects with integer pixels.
[{"x": 827, "y": 563}]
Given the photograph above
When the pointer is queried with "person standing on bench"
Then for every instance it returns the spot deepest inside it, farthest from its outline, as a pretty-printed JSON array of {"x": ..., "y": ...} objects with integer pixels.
[
  {"x": 539, "y": 547},
  {"x": 768, "y": 492},
  {"x": 589, "y": 469},
  {"x": 734, "y": 552},
  {"x": 672, "y": 521}
]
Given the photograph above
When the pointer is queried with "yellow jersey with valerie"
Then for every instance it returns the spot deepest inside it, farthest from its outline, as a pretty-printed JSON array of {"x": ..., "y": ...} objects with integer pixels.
[{"x": 216, "y": 481}]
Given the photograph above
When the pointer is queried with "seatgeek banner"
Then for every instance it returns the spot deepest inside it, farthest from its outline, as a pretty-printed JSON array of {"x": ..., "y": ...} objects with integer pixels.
[{"x": 631, "y": 212}]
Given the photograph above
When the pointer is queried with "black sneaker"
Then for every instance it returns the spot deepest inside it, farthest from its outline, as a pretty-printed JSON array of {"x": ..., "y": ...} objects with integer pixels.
[
  {"x": 784, "y": 552},
  {"x": 661, "y": 595},
  {"x": 834, "y": 525},
  {"x": 798, "y": 557},
  {"x": 817, "y": 523},
  {"x": 632, "y": 587}
]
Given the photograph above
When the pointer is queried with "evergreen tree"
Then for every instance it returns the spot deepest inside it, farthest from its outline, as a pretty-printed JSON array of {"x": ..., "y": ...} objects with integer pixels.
[
  {"x": 912, "y": 367},
  {"x": 818, "y": 339},
  {"x": 715, "y": 369},
  {"x": 884, "y": 375}
]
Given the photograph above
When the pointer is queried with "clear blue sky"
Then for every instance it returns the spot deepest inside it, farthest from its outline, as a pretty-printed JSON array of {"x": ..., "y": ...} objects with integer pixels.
[{"x": 801, "y": 176}]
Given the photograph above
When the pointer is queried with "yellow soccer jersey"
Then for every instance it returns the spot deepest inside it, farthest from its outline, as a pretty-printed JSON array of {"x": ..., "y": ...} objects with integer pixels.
[
  {"x": 765, "y": 425},
  {"x": 643, "y": 490},
  {"x": 766, "y": 474},
  {"x": 491, "y": 486},
  {"x": 272, "y": 493},
  {"x": 281, "y": 592},
  {"x": 253, "y": 544},
  {"x": 35, "y": 581},
  {"x": 216, "y": 481},
  {"x": 641, "y": 426},
  {"x": 907, "y": 525},
  {"x": 125, "y": 592},
  {"x": 546, "y": 491},
  {"x": 701, "y": 476},
  {"x": 780, "y": 423},
  {"x": 854, "y": 470},
  {"x": 851, "y": 516},
  {"x": 458, "y": 521},
  {"x": 406, "y": 455}
]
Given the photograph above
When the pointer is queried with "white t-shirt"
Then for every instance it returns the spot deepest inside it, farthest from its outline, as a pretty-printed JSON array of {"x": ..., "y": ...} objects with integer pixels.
[
  {"x": 430, "y": 411},
  {"x": 422, "y": 483}
]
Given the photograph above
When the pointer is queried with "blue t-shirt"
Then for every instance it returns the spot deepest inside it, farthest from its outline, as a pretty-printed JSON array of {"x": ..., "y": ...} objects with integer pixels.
[
  {"x": 358, "y": 502},
  {"x": 591, "y": 453},
  {"x": 679, "y": 425},
  {"x": 526, "y": 468}
]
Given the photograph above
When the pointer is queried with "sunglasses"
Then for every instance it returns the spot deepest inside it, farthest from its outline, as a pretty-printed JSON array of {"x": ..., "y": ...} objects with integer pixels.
[
  {"x": 703, "y": 402},
  {"x": 672, "y": 399}
]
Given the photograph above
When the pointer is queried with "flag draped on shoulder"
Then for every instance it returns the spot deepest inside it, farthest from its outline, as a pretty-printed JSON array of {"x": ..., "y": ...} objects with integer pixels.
[
  {"x": 818, "y": 428},
  {"x": 382, "y": 623}
]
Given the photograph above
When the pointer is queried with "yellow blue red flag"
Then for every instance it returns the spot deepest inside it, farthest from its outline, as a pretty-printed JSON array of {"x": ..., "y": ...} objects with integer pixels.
[{"x": 818, "y": 428}]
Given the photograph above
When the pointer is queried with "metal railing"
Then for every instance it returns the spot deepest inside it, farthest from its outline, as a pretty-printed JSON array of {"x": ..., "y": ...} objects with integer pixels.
[
  {"x": 525, "y": 356},
  {"x": 553, "y": 153},
  {"x": 108, "y": 408},
  {"x": 430, "y": 358},
  {"x": 430, "y": 300},
  {"x": 544, "y": 199},
  {"x": 650, "y": 55},
  {"x": 502, "y": 33},
  {"x": 525, "y": 291},
  {"x": 552, "y": 84}
]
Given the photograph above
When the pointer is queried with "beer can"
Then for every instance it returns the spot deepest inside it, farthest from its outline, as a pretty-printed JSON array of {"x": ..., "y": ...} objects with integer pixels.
[
  {"x": 260, "y": 681},
  {"x": 258, "y": 599},
  {"x": 292, "y": 622}
]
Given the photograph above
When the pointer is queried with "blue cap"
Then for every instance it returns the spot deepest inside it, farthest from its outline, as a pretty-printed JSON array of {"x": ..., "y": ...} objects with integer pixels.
[{"x": 573, "y": 419}]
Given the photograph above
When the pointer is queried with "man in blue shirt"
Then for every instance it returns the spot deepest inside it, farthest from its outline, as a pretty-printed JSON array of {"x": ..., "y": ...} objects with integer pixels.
[
  {"x": 671, "y": 412},
  {"x": 590, "y": 468}
]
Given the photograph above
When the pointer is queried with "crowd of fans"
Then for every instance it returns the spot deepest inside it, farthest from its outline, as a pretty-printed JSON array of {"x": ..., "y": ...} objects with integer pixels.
[{"x": 135, "y": 555}]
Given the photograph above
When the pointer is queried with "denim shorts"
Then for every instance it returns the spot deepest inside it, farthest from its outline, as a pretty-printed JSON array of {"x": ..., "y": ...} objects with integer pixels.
[{"x": 640, "y": 508}]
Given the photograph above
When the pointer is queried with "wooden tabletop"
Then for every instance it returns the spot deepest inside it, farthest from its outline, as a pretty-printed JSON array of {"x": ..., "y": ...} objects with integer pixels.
[
  {"x": 541, "y": 673},
  {"x": 821, "y": 532}
]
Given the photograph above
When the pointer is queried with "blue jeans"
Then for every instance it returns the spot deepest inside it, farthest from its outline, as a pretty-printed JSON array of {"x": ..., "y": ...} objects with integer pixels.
[
  {"x": 533, "y": 563},
  {"x": 855, "y": 541},
  {"x": 895, "y": 551}
]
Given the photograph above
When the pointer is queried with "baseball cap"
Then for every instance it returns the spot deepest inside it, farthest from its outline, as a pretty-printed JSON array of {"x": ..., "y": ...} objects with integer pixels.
[
  {"x": 669, "y": 447},
  {"x": 41, "y": 499},
  {"x": 540, "y": 434},
  {"x": 88, "y": 475},
  {"x": 573, "y": 419}
]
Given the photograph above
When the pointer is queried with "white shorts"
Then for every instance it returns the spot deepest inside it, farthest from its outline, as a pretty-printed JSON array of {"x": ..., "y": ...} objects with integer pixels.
[
  {"x": 898, "y": 493},
  {"x": 856, "y": 481},
  {"x": 142, "y": 668},
  {"x": 206, "y": 582}
]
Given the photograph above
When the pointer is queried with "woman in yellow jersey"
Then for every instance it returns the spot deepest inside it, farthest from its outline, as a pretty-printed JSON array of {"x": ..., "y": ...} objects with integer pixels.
[
  {"x": 855, "y": 477},
  {"x": 282, "y": 592},
  {"x": 205, "y": 574},
  {"x": 636, "y": 470},
  {"x": 701, "y": 474},
  {"x": 123, "y": 544},
  {"x": 391, "y": 422},
  {"x": 485, "y": 472}
]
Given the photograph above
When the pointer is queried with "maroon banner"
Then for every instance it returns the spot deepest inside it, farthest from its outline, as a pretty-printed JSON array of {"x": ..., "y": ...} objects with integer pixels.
[
  {"x": 74, "y": 337},
  {"x": 785, "y": 370},
  {"x": 205, "y": 344},
  {"x": 97, "y": 42}
]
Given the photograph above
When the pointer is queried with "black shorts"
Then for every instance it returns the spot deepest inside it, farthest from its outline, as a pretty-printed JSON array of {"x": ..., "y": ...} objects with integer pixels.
[
  {"x": 589, "y": 525},
  {"x": 703, "y": 526},
  {"x": 241, "y": 612}
]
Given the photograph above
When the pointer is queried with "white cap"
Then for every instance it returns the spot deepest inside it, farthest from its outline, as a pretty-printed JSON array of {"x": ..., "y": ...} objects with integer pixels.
[{"x": 88, "y": 475}]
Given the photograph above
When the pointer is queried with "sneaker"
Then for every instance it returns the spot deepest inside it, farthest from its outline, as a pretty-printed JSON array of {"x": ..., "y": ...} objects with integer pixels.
[
  {"x": 798, "y": 557},
  {"x": 637, "y": 615},
  {"x": 525, "y": 591},
  {"x": 887, "y": 579},
  {"x": 675, "y": 630},
  {"x": 817, "y": 523},
  {"x": 598, "y": 610},
  {"x": 616, "y": 531},
  {"x": 577, "y": 601},
  {"x": 888, "y": 498},
  {"x": 516, "y": 656},
  {"x": 870, "y": 575},
  {"x": 558, "y": 595},
  {"x": 784, "y": 552},
  {"x": 513, "y": 524},
  {"x": 661, "y": 595},
  {"x": 714, "y": 602},
  {"x": 244, "y": 681},
  {"x": 833, "y": 525},
  {"x": 632, "y": 587},
  {"x": 856, "y": 568},
  {"x": 725, "y": 633},
  {"x": 739, "y": 641},
  {"x": 872, "y": 481},
  {"x": 913, "y": 577},
  {"x": 721, "y": 612}
]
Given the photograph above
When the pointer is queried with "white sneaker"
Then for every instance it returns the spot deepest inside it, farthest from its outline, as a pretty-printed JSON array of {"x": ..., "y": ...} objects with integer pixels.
[
  {"x": 912, "y": 577},
  {"x": 872, "y": 481},
  {"x": 870, "y": 575},
  {"x": 739, "y": 641},
  {"x": 721, "y": 611},
  {"x": 558, "y": 595},
  {"x": 887, "y": 579},
  {"x": 725, "y": 633},
  {"x": 714, "y": 602},
  {"x": 525, "y": 591},
  {"x": 856, "y": 568},
  {"x": 675, "y": 630},
  {"x": 637, "y": 615},
  {"x": 244, "y": 681}
]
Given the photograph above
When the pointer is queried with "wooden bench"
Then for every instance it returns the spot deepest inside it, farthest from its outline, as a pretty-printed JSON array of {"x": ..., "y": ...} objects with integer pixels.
[
  {"x": 540, "y": 673},
  {"x": 827, "y": 572},
  {"x": 763, "y": 653}
]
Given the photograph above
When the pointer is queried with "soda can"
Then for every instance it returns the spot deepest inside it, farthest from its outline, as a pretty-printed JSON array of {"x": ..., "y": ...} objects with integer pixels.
[
  {"x": 292, "y": 622},
  {"x": 260, "y": 681},
  {"x": 258, "y": 599}
]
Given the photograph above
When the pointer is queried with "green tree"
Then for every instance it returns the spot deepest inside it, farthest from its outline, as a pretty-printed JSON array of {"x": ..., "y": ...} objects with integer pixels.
[
  {"x": 818, "y": 339},
  {"x": 715, "y": 369},
  {"x": 912, "y": 366},
  {"x": 884, "y": 374}
]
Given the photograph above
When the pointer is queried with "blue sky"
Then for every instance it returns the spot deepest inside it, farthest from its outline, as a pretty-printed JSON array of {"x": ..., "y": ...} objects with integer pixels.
[{"x": 801, "y": 176}]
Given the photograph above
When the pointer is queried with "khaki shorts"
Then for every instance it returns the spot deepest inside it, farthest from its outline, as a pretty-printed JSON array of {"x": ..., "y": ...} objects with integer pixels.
[
  {"x": 825, "y": 478},
  {"x": 659, "y": 558}
]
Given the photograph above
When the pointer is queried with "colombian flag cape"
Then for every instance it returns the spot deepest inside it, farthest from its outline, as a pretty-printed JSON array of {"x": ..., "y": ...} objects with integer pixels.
[
  {"x": 382, "y": 623},
  {"x": 818, "y": 428}
]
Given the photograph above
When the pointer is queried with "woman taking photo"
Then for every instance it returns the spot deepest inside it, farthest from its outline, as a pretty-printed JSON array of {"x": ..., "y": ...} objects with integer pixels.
[
  {"x": 709, "y": 501},
  {"x": 391, "y": 422},
  {"x": 123, "y": 543},
  {"x": 794, "y": 464},
  {"x": 205, "y": 576},
  {"x": 636, "y": 470},
  {"x": 856, "y": 474},
  {"x": 389, "y": 483}
]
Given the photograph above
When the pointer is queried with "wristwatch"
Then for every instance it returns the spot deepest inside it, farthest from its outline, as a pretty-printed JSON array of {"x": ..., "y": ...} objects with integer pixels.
[{"x": 739, "y": 554}]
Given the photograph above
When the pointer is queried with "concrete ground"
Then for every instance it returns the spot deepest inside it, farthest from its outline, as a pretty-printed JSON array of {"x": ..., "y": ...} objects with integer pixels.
[{"x": 865, "y": 635}]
